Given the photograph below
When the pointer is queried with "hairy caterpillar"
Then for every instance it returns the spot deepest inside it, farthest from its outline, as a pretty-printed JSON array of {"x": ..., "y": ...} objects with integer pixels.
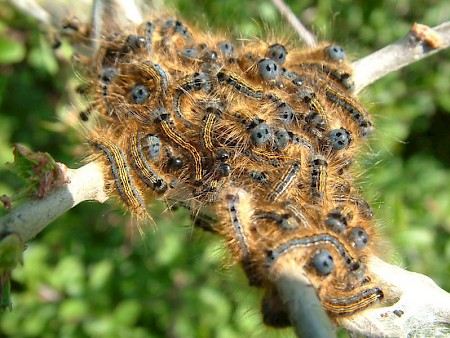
[
  {"x": 227, "y": 142},
  {"x": 269, "y": 107}
]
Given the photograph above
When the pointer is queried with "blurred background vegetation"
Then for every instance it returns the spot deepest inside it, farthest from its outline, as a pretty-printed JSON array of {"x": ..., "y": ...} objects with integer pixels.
[{"x": 90, "y": 275}]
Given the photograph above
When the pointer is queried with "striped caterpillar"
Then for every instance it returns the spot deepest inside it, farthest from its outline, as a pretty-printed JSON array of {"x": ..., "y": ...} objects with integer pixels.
[{"x": 255, "y": 133}]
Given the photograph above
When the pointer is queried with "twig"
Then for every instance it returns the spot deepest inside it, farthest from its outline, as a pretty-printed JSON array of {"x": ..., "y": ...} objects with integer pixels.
[
  {"x": 413, "y": 305},
  {"x": 52, "y": 13},
  {"x": 412, "y": 48},
  {"x": 32, "y": 9},
  {"x": 309, "y": 38},
  {"x": 30, "y": 218},
  {"x": 299, "y": 297}
]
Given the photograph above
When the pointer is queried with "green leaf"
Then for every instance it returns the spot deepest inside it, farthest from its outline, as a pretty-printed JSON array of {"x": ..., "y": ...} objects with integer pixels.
[
  {"x": 127, "y": 313},
  {"x": 11, "y": 249},
  {"x": 11, "y": 51}
]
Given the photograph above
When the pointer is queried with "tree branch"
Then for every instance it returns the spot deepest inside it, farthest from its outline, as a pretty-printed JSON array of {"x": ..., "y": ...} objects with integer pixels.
[
  {"x": 416, "y": 45},
  {"x": 414, "y": 306},
  {"x": 300, "y": 299},
  {"x": 30, "y": 218},
  {"x": 51, "y": 12},
  {"x": 308, "y": 37}
]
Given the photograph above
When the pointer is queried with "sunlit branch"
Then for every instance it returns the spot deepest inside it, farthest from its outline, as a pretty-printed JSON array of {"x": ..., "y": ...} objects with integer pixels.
[
  {"x": 300, "y": 300},
  {"x": 412, "y": 48},
  {"x": 414, "y": 306},
  {"x": 308, "y": 37},
  {"x": 31, "y": 217}
]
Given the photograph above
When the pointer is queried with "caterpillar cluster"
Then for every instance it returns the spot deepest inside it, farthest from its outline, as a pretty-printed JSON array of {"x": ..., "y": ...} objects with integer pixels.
[{"x": 256, "y": 138}]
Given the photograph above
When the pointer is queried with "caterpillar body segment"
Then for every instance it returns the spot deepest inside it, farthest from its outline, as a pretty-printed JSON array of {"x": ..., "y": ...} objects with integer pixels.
[{"x": 124, "y": 182}]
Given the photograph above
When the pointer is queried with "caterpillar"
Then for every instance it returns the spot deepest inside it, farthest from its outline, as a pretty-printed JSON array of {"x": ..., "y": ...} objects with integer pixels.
[
  {"x": 120, "y": 170},
  {"x": 142, "y": 167},
  {"x": 353, "y": 303}
]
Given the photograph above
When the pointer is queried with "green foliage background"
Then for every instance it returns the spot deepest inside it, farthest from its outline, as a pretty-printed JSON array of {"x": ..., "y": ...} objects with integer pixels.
[{"x": 89, "y": 275}]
